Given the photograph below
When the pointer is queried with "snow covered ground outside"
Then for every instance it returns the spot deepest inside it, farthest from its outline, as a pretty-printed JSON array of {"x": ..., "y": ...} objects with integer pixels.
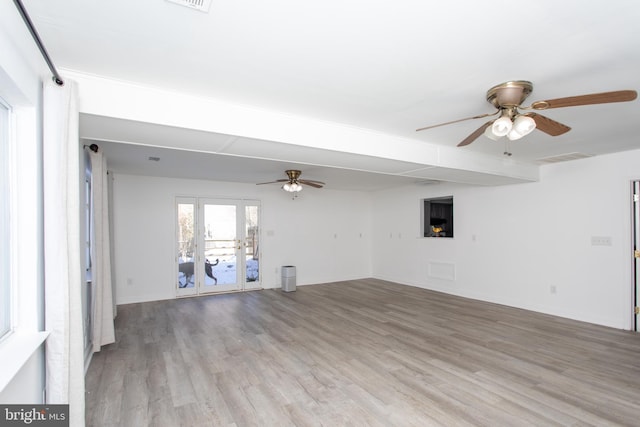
[{"x": 224, "y": 272}]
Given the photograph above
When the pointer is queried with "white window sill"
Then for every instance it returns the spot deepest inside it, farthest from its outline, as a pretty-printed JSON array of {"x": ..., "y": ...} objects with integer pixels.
[{"x": 15, "y": 350}]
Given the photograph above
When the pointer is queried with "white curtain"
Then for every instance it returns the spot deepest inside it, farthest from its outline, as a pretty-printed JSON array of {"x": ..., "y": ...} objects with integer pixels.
[
  {"x": 102, "y": 291},
  {"x": 62, "y": 255}
]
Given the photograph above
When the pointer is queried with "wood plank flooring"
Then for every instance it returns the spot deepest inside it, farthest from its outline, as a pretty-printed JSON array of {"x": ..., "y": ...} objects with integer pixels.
[{"x": 359, "y": 353}]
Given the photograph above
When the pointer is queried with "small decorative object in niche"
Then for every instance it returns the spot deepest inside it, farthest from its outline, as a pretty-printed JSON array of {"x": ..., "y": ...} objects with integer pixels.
[{"x": 437, "y": 217}]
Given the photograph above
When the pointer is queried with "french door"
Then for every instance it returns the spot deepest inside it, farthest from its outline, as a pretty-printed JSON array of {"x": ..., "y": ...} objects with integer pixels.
[
  {"x": 217, "y": 245},
  {"x": 636, "y": 253}
]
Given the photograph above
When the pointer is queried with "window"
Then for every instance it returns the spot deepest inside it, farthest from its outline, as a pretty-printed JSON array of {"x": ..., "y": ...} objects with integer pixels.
[
  {"x": 5, "y": 226},
  {"x": 87, "y": 224},
  {"x": 437, "y": 217}
]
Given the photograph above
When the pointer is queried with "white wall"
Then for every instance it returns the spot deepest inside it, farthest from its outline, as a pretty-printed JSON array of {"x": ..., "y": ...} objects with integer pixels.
[
  {"x": 513, "y": 243},
  {"x": 28, "y": 384},
  {"x": 324, "y": 233}
]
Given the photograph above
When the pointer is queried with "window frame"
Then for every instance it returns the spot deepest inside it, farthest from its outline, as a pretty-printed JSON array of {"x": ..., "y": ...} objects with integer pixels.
[
  {"x": 7, "y": 230},
  {"x": 21, "y": 87}
]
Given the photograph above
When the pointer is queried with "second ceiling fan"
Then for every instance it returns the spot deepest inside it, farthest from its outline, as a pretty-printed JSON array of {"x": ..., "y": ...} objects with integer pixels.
[
  {"x": 514, "y": 124},
  {"x": 294, "y": 184}
]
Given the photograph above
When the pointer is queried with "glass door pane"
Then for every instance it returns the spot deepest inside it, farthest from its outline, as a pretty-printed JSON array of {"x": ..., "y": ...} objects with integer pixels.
[
  {"x": 252, "y": 246},
  {"x": 186, "y": 246},
  {"x": 221, "y": 247}
]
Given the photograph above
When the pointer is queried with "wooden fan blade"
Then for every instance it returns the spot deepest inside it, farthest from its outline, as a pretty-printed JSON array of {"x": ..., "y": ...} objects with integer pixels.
[
  {"x": 459, "y": 120},
  {"x": 594, "y": 98},
  {"x": 548, "y": 126},
  {"x": 273, "y": 182},
  {"x": 316, "y": 184},
  {"x": 468, "y": 140}
]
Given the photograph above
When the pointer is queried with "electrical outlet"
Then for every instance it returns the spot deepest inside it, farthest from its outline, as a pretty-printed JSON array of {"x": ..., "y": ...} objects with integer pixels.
[{"x": 600, "y": 240}]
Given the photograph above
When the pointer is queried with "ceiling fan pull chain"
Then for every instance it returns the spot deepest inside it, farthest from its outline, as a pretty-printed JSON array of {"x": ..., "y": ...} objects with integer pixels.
[{"x": 507, "y": 152}]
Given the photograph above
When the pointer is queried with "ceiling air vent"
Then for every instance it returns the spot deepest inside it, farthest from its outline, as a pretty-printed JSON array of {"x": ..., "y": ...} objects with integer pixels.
[
  {"x": 564, "y": 158},
  {"x": 426, "y": 182},
  {"x": 201, "y": 5}
]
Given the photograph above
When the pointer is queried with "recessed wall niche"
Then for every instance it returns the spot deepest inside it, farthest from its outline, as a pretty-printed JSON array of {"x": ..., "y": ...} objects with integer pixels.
[{"x": 437, "y": 217}]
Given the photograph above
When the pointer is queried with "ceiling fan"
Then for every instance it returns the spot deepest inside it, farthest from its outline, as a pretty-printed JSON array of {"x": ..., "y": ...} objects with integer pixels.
[
  {"x": 294, "y": 184},
  {"x": 508, "y": 97}
]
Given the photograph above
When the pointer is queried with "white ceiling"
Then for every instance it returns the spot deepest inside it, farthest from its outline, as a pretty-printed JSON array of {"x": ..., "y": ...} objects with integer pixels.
[{"x": 390, "y": 67}]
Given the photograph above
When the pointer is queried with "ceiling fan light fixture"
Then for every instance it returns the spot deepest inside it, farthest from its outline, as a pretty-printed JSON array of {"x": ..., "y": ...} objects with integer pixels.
[
  {"x": 292, "y": 187},
  {"x": 524, "y": 125},
  {"x": 501, "y": 126},
  {"x": 488, "y": 132},
  {"x": 514, "y": 135}
]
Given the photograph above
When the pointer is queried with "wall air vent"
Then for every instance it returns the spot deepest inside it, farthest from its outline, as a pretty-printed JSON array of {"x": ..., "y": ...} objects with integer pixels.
[
  {"x": 564, "y": 158},
  {"x": 201, "y": 5}
]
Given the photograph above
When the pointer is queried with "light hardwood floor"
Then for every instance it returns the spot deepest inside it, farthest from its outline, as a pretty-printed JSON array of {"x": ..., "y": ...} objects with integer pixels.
[{"x": 363, "y": 352}]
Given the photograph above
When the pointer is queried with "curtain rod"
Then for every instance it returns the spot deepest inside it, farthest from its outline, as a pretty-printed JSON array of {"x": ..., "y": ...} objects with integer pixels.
[{"x": 36, "y": 38}]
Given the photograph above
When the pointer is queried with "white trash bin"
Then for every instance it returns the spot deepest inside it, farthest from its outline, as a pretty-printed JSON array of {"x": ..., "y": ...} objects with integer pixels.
[{"x": 288, "y": 278}]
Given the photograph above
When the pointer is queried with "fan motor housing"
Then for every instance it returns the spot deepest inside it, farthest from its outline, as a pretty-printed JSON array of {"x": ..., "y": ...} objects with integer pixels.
[
  {"x": 293, "y": 174},
  {"x": 509, "y": 94}
]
